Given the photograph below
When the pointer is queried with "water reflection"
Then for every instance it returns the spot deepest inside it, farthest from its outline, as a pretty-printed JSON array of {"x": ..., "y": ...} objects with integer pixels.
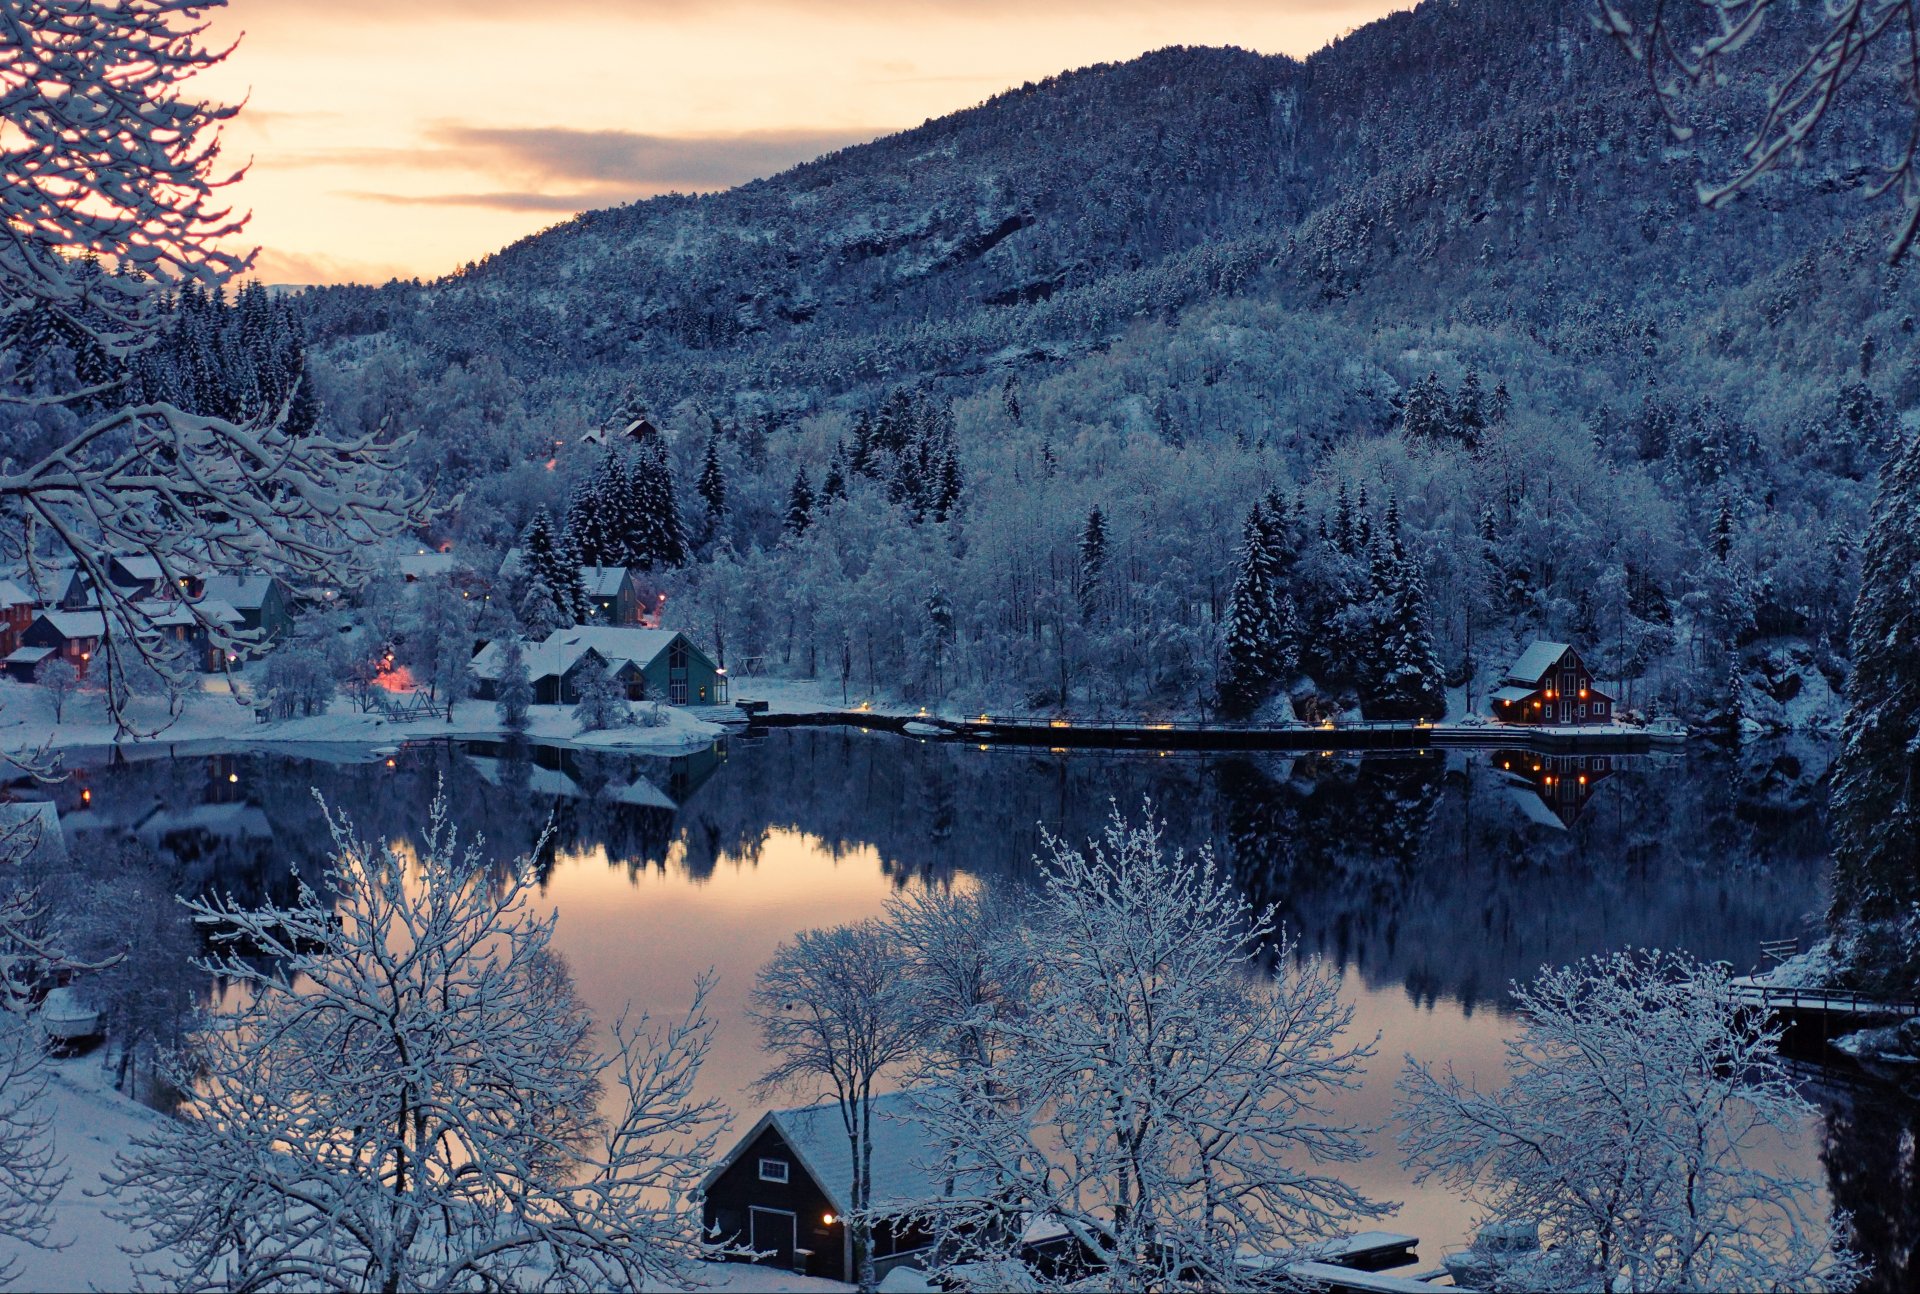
[{"x": 1435, "y": 878}]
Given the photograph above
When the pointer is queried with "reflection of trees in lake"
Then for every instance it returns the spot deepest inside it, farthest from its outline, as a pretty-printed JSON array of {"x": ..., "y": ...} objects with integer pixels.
[
  {"x": 1872, "y": 1171},
  {"x": 1417, "y": 868}
]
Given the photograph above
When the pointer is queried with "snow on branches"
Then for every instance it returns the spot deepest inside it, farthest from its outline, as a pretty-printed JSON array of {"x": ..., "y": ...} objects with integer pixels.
[
  {"x": 408, "y": 1097},
  {"x": 1153, "y": 1090},
  {"x": 107, "y": 183},
  {"x": 1634, "y": 1127},
  {"x": 1689, "y": 43}
]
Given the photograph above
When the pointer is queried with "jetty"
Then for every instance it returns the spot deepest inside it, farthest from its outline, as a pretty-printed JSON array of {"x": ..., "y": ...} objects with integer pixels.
[
  {"x": 1057, "y": 733},
  {"x": 1821, "y": 1013}
]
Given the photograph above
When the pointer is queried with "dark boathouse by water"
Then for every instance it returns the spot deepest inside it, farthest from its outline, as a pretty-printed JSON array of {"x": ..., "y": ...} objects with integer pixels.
[
  {"x": 783, "y": 1189},
  {"x": 1550, "y": 686}
]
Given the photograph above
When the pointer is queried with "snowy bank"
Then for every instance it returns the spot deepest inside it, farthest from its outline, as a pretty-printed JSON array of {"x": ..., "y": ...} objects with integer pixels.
[{"x": 214, "y": 716}]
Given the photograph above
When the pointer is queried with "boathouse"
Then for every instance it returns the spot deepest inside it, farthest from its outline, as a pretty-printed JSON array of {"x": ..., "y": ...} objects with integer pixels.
[
  {"x": 783, "y": 1190},
  {"x": 1550, "y": 685}
]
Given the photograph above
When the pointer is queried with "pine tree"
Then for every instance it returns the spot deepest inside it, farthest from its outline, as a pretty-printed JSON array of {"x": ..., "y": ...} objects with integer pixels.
[
  {"x": 946, "y": 499},
  {"x": 1093, "y": 563},
  {"x": 1875, "y": 816},
  {"x": 1427, "y": 414},
  {"x": 712, "y": 485},
  {"x": 657, "y": 541},
  {"x": 1722, "y": 538},
  {"x": 513, "y": 690},
  {"x": 1010, "y": 398},
  {"x": 1253, "y": 658},
  {"x": 1470, "y": 412},
  {"x": 799, "y": 505},
  {"x": 1402, "y": 677},
  {"x": 834, "y": 488},
  {"x": 555, "y": 596}
]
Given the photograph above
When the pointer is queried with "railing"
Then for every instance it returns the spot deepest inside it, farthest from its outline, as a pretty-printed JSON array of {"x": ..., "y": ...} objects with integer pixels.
[
  {"x": 1188, "y": 725},
  {"x": 1834, "y": 1000}
]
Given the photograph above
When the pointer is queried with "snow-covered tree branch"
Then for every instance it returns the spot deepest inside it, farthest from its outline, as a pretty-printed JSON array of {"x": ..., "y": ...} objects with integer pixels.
[
  {"x": 109, "y": 172},
  {"x": 1159, "y": 1095},
  {"x": 1689, "y": 45},
  {"x": 1634, "y": 1128},
  {"x": 410, "y": 1098}
]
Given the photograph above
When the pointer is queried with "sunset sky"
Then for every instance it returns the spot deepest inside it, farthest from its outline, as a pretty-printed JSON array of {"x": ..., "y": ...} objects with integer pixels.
[{"x": 409, "y": 138}]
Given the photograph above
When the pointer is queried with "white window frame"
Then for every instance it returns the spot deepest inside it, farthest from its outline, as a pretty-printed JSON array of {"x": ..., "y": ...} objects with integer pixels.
[{"x": 785, "y": 1171}]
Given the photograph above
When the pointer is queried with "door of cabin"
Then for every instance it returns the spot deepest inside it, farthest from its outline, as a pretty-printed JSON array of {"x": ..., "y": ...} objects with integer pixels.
[{"x": 774, "y": 1234}]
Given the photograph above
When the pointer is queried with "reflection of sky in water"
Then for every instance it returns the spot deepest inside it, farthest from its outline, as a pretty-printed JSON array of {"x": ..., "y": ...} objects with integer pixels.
[{"x": 1425, "y": 877}]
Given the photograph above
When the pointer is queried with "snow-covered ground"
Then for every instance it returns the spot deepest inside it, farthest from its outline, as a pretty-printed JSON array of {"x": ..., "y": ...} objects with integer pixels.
[
  {"x": 213, "y": 715},
  {"x": 92, "y": 1123}
]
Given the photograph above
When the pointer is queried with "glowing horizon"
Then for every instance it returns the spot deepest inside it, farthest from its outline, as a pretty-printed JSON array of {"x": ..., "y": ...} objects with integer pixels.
[{"x": 402, "y": 142}]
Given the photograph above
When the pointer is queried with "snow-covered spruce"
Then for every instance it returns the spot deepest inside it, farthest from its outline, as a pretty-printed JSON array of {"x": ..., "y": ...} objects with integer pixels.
[
  {"x": 407, "y": 1097},
  {"x": 1637, "y": 1101}
]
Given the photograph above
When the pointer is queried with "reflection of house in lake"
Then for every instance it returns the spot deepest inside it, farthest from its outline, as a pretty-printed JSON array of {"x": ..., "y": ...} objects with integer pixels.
[{"x": 1552, "y": 790}]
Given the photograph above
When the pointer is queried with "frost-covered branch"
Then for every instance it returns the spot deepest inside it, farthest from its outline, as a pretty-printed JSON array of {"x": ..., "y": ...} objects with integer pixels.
[
  {"x": 410, "y": 1098},
  {"x": 1159, "y": 1096},
  {"x": 1634, "y": 1127},
  {"x": 1689, "y": 45}
]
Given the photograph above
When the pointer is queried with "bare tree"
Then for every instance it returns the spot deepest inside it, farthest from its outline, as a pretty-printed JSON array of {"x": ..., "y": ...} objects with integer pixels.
[
  {"x": 1638, "y": 1096},
  {"x": 109, "y": 172},
  {"x": 31, "y": 1175},
  {"x": 409, "y": 1099},
  {"x": 1687, "y": 46},
  {"x": 1159, "y": 1094},
  {"x": 835, "y": 1007},
  {"x": 59, "y": 680}
]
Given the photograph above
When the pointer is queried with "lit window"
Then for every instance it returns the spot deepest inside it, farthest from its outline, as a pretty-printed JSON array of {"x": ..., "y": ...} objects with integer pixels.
[{"x": 773, "y": 1170}]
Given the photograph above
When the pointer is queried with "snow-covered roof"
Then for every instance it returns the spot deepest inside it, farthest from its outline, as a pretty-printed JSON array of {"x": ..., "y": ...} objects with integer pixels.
[
  {"x": 549, "y": 659},
  {"x": 902, "y": 1151},
  {"x": 30, "y": 831},
  {"x": 29, "y": 655},
  {"x": 511, "y": 562},
  {"x": 1535, "y": 808},
  {"x": 247, "y": 592},
  {"x": 1511, "y": 694},
  {"x": 141, "y": 566},
  {"x": 75, "y": 624},
  {"x": 12, "y": 595},
  {"x": 418, "y": 565},
  {"x": 618, "y": 643},
  {"x": 1536, "y": 660},
  {"x": 214, "y": 609},
  {"x": 247, "y": 821},
  {"x": 603, "y": 581}
]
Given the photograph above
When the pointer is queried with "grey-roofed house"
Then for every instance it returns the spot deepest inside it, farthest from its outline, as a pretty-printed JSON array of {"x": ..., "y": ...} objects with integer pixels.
[
  {"x": 135, "y": 575},
  {"x": 261, "y": 600},
  {"x": 555, "y": 669},
  {"x": 783, "y": 1190},
  {"x": 73, "y": 635}
]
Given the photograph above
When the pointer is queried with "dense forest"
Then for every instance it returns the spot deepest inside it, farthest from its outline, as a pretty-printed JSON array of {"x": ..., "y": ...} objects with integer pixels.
[{"x": 985, "y": 412}]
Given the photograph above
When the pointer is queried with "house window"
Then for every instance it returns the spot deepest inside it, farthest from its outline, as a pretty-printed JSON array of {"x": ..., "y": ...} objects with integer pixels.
[
  {"x": 1583, "y": 711},
  {"x": 677, "y": 656},
  {"x": 1599, "y": 707},
  {"x": 773, "y": 1170},
  {"x": 677, "y": 692}
]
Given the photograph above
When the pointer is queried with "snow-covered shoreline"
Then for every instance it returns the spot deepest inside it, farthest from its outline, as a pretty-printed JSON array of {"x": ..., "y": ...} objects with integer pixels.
[{"x": 215, "y": 720}]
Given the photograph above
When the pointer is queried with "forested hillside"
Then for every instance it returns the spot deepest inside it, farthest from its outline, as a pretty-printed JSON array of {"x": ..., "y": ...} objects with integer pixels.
[{"x": 1436, "y": 306}]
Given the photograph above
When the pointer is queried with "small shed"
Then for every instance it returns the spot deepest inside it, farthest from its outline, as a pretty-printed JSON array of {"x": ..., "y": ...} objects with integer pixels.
[
  {"x": 783, "y": 1190},
  {"x": 1549, "y": 685}
]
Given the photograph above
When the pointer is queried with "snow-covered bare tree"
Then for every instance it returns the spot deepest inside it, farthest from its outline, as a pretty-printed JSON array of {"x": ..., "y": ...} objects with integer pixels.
[
  {"x": 1159, "y": 1093},
  {"x": 109, "y": 176},
  {"x": 1634, "y": 1127},
  {"x": 835, "y": 1009},
  {"x": 31, "y": 1175},
  {"x": 59, "y": 680},
  {"x": 964, "y": 970},
  {"x": 409, "y": 1097},
  {"x": 1690, "y": 46}
]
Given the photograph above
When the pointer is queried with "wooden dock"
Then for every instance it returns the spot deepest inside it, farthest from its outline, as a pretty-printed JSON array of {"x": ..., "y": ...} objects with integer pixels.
[
  {"x": 1821, "y": 1014},
  {"x": 1113, "y": 734}
]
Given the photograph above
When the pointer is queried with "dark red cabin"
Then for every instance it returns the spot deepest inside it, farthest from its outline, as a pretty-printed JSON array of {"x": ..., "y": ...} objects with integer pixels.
[{"x": 1550, "y": 686}]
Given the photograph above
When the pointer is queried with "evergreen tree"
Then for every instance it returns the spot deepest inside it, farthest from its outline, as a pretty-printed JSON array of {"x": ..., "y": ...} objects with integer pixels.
[
  {"x": 1876, "y": 779},
  {"x": 1470, "y": 412},
  {"x": 799, "y": 505},
  {"x": 1093, "y": 563},
  {"x": 657, "y": 540},
  {"x": 1401, "y": 673},
  {"x": 1253, "y": 659},
  {"x": 1427, "y": 414},
  {"x": 1010, "y": 398},
  {"x": 834, "y": 488},
  {"x": 554, "y": 596},
  {"x": 712, "y": 485},
  {"x": 1722, "y": 538},
  {"x": 513, "y": 690},
  {"x": 947, "y": 487}
]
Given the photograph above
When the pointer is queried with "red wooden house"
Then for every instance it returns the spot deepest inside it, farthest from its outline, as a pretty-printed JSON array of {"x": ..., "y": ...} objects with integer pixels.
[{"x": 1551, "y": 685}]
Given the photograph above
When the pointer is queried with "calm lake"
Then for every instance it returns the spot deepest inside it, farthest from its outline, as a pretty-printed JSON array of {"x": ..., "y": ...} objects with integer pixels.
[{"x": 1432, "y": 879}]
